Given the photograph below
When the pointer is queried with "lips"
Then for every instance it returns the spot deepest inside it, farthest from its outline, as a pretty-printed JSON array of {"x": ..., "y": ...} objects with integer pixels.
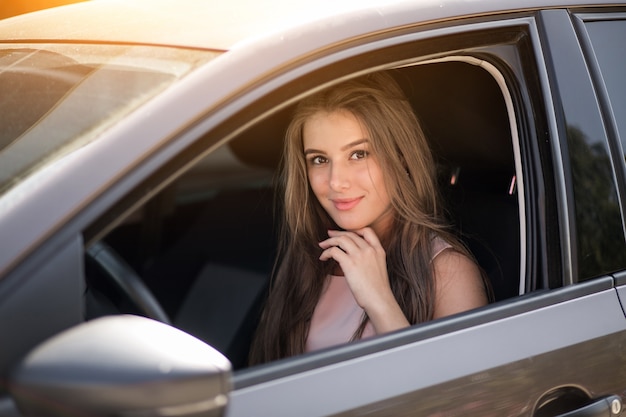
[{"x": 344, "y": 204}]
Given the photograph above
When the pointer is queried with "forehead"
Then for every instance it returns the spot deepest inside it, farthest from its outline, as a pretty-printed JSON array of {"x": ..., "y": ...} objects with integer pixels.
[
  {"x": 333, "y": 127},
  {"x": 329, "y": 131}
]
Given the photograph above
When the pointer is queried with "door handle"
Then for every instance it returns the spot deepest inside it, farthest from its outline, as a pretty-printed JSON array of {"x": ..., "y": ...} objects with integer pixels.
[{"x": 603, "y": 407}]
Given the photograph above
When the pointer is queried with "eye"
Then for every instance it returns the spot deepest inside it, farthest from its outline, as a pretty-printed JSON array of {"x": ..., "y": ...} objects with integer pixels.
[
  {"x": 360, "y": 154},
  {"x": 317, "y": 160}
]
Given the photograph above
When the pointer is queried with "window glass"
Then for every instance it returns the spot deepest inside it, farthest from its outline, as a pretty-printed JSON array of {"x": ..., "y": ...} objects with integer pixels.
[
  {"x": 59, "y": 97},
  {"x": 607, "y": 40},
  {"x": 599, "y": 230}
]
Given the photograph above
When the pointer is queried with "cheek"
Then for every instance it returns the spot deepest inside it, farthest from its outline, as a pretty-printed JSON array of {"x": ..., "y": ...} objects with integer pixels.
[
  {"x": 316, "y": 181},
  {"x": 378, "y": 184}
]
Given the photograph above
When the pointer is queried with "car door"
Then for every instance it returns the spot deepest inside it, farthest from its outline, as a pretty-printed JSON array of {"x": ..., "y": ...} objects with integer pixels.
[{"x": 554, "y": 349}]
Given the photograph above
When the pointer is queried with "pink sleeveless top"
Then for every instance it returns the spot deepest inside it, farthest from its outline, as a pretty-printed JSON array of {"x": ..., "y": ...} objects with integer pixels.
[{"x": 337, "y": 314}]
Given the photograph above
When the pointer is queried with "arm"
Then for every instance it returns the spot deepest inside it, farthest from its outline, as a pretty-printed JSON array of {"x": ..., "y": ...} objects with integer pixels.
[
  {"x": 458, "y": 281},
  {"x": 458, "y": 284},
  {"x": 458, "y": 287}
]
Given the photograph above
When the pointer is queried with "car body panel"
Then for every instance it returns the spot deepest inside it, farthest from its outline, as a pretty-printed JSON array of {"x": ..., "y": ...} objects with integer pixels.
[
  {"x": 166, "y": 23},
  {"x": 55, "y": 304},
  {"x": 418, "y": 377}
]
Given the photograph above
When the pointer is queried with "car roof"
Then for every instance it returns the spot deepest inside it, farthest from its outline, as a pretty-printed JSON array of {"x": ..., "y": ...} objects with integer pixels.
[{"x": 220, "y": 25}]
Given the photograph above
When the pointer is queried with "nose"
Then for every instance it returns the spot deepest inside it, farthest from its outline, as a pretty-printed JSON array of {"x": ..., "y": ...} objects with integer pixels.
[{"x": 339, "y": 177}]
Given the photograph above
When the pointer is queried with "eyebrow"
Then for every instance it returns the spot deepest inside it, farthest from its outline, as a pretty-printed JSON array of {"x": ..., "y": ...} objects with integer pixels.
[{"x": 343, "y": 148}]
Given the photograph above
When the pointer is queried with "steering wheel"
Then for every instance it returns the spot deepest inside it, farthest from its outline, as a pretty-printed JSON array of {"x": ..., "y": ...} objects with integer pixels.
[{"x": 121, "y": 274}]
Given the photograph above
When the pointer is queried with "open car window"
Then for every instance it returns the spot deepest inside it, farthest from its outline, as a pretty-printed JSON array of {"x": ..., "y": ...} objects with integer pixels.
[{"x": 205, "y": 245}]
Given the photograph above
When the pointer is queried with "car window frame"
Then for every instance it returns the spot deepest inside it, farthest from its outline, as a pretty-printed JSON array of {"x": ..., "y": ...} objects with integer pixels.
[
  {"x": 345, "y": 61},
  {"x": 332, "y": 68}
]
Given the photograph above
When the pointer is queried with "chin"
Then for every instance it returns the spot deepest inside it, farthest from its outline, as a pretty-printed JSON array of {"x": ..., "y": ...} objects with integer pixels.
[{"x": 349, "y": 226}]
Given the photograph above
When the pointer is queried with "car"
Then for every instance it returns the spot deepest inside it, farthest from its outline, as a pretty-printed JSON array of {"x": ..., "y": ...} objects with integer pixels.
[{"x": 139, "y": 145}]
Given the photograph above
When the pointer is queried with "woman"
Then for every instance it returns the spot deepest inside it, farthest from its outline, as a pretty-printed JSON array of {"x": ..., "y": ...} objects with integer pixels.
[{"x": 364, "y": 249}]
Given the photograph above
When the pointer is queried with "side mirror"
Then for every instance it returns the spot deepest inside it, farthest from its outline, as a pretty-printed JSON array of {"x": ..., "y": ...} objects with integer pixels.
[{"x": 127, "y": 366}]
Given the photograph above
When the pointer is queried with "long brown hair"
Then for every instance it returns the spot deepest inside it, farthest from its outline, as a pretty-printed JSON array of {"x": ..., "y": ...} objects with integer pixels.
[{"x": 402, "y": 151}]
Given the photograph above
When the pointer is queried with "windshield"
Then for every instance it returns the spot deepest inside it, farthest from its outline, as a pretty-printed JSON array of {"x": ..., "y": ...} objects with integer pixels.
[{"x": 55, "y": 98}]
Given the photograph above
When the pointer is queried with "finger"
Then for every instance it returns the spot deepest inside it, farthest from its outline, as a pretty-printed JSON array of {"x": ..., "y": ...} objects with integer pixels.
[
  {"x": 368, "y": 234},
  {"x": 349, "y": 244},
  {"x": 344, "y": 245},
  {"x": 335, "y": 253},
  {"x": 353, "y": 237}
]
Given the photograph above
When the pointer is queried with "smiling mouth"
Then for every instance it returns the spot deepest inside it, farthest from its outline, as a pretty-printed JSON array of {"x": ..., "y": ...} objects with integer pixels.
[{"x": 346, "y": 203}]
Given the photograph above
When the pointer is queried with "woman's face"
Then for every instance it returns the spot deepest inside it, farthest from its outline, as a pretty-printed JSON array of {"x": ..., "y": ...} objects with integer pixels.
[{"x": 344, "y": 176}]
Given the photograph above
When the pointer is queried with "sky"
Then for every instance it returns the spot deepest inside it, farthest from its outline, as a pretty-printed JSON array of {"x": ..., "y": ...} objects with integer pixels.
[{"x": 10, "y": 8}]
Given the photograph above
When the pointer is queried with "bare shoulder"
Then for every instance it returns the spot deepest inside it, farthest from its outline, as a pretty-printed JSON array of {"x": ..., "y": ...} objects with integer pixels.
[{"x": 458, "y": 283}]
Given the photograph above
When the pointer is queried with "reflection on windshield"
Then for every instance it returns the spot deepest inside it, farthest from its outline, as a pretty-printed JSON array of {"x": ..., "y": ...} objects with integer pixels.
[
  {"x": 30, "y": 91},
  {"x": 56, "y": 98}
]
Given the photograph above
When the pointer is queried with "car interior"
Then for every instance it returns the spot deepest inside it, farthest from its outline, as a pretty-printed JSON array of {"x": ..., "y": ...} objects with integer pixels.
[{"x": 205, "y": 245}]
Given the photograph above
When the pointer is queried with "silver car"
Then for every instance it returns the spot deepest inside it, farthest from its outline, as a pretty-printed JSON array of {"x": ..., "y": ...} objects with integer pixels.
[{"x": 139, "y": 141}]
